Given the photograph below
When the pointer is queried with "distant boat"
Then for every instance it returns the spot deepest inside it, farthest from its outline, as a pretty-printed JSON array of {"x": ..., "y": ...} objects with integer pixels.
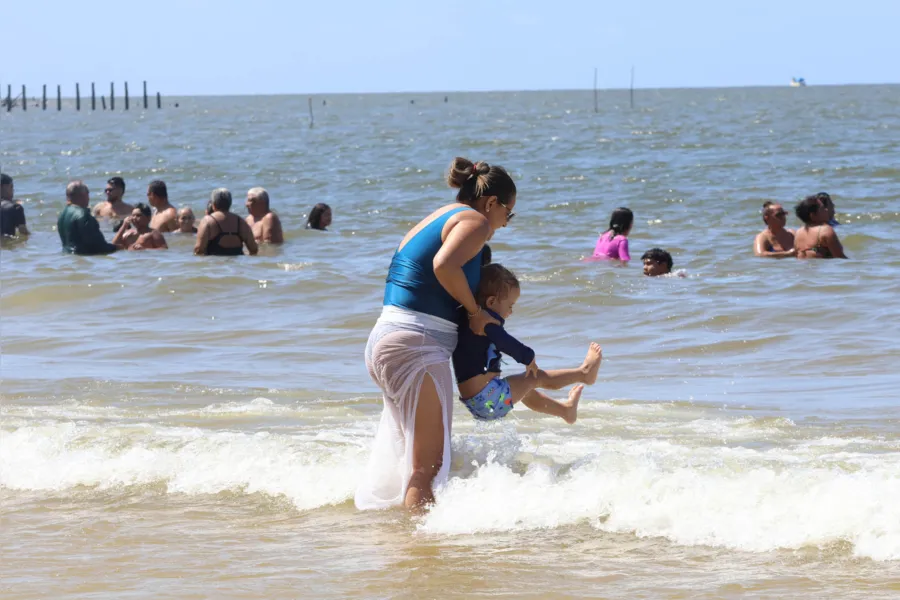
[{"x": 798, "y": 82}]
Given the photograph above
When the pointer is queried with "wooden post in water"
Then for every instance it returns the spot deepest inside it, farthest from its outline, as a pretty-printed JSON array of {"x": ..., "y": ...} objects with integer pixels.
[
  {"x": 8, "y": 97},
  {"x": 58, "y": 97},
  {"x": 93, "y": 97},
  {"x": 596, "y": 109},
  {"x": 311, "y": 121},
  {"x": 126, "y": 95},
  {"x": 77, "y": 97},
  {"x": 145, "y": 95},
  {"x": 112, "y": 96},
  {"x": 44, "y": 97},
  {"x": 631, "y": 89},
  {"x": 24, "y": 99},
  {"x": 158, "y": 101},
  {"x": 103, "y": 100}
]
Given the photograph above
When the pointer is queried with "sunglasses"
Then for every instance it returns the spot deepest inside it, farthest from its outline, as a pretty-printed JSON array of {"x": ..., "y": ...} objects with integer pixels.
[
  {"x": 509, "y": 213},
  {"x": 781, "y": 213},
  {"x": 185, "y": 218}
]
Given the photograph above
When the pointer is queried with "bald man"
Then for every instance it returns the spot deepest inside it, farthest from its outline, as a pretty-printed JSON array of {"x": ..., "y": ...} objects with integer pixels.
[
  {"x": 265, "y": 224},
  {"x": 79, "y": 231}
]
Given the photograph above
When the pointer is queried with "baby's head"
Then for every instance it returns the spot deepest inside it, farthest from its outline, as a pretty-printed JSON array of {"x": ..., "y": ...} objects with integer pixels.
[
  {"x": 656, "y": 262},
  {"x": 498, "y": 290}
]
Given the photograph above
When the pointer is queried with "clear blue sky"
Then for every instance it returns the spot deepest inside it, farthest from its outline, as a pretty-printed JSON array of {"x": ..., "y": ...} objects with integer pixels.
[{"x": 331, "y": 46}]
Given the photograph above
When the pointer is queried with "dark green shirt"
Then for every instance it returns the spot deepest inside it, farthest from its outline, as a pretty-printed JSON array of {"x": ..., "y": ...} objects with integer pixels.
[{"x": 79, "y": 232}]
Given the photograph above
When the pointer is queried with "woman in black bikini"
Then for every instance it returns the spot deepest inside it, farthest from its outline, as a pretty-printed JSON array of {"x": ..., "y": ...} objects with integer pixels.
[
  {"x": 223, "y": 233},
  {"x": 816, "y": 239}
]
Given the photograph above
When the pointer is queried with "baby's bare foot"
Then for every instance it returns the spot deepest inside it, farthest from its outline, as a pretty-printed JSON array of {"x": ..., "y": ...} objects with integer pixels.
[
  {"x": 572, "y": 404},
  {"x": 592, "y": 363}
]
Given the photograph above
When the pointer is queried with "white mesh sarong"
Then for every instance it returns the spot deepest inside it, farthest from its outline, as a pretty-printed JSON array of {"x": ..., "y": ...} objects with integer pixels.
[{"x": 403, "y": 347}]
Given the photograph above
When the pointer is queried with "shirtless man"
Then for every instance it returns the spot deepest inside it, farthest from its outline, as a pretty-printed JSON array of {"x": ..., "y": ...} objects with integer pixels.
[
  {"x": 265, "y": 224},
  {"x": 114, "y": 207},
  {"x": 135, "y": 232},
  {"x": 775, "y": 241},
  {"x": 186, "y": 220},
  {"x": 166, "y": 217}
]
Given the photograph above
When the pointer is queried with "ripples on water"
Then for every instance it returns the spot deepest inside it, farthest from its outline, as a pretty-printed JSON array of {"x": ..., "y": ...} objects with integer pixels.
[{"x": 744, "y": 427}]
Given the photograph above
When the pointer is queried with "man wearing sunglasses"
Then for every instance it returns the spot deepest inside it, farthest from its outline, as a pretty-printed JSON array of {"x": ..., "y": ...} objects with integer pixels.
[{"x": 775, "y": 241}]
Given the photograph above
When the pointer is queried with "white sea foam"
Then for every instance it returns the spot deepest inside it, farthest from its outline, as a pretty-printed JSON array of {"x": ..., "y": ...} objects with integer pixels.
[
  {"x": 735, "y": 498},
  {"x": 803, "y": 492},
  {"x": 309, "y": 470}
]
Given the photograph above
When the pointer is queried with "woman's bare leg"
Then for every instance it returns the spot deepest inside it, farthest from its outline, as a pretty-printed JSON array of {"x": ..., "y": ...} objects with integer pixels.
[
  {"x": 565, "y": 409},
  {"x": 428, "y": 447}
]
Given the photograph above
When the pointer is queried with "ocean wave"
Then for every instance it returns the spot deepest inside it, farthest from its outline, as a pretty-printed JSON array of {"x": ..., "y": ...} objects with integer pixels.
[
  {"x": 754, "y": 508},
  {"x": 750, "y": 497}
]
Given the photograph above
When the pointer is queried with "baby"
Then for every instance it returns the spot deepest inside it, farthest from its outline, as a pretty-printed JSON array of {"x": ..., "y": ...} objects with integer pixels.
[{"x": 476, "y": 361}]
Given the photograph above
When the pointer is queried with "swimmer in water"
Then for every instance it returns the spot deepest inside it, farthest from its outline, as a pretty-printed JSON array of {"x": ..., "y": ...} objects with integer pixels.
[
  {"x": 614, "y": 241},
  {"x": 135, "y": 232},
  {"x": 817, "y": 239},
  {"x": 775, "y": 241},
  {"x": 657, "y": 262},
  {"x": 476, "y": 361}
]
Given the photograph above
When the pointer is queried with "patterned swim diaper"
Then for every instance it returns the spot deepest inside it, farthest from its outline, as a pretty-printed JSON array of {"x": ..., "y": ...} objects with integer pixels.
[{"x": 493, "y": 402}]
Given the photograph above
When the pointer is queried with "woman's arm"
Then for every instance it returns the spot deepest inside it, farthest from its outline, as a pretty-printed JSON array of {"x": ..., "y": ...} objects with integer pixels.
[
  {"x": 623, "y": 249},
  {"x": 464, "y": 241},
  {"x": 202, "y": 236},
  {"x": 119, "y": 239},
  {"x": 246, "y": 234},
  {"x": 833, "y": 243}
]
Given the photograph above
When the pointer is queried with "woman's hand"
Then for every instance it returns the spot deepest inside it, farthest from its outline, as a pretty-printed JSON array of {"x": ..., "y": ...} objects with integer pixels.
[
  {"x": 479, "y": 320},
  {"x": 532, "y": 369}
]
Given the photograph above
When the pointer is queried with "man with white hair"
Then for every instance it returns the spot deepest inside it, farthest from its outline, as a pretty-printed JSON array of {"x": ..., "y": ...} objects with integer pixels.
[
  {"x": 265, "y": 224},
  {"x": 78, "y": 230}
]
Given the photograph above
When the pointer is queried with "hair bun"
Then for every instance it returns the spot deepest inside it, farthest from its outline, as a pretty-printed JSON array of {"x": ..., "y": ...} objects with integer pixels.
[{"x": 461, "y": 170}]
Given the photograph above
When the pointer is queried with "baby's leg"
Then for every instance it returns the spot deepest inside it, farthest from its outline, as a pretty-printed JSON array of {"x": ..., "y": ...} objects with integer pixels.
[
  {"x": 542, "y": 403},
  {"x": 522, "y": 388},
  {"x": 586, "y": 373}
]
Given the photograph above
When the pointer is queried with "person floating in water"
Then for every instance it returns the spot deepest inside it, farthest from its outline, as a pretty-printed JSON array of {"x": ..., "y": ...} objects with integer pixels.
[
  {"x": 775, "y": 241},
  {"x": 827, "y": 202},
  {"x": 12, "y": 214},
  {"x": 657, "y": 262},
  {"x": 113, "y": 207},
  {"x": 476, "y": 361},
  {"x": 265, "y": 224},
  {"x": 319, "y": 217},
  {"x": 135, "y": 232},
  {"x": 613, "y": 243},
  {"x": 817, "y": 239}
]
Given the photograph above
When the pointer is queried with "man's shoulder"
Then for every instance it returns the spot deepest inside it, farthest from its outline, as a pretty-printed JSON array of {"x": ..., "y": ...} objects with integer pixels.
[
  {"x": 76, "y": 212},
  {"x": 271, "y": 217}
]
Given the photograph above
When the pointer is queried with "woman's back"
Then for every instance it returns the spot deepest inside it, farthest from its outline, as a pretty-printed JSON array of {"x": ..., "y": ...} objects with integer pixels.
[
  {"x": 411, "y": 281},
  {"x": 817, "y": 242},
  {"x": 225, "y": 234},
  {"x": 611, "y": 245}
]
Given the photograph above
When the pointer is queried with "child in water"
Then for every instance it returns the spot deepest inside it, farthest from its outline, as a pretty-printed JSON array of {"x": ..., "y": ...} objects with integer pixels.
[
  {"x": 476, "y": 361},
  {"x": 613, "y": 243}
]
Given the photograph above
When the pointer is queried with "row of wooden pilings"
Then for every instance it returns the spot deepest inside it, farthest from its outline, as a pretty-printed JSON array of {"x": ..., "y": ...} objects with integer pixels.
[{"x": 10, "y": 102}]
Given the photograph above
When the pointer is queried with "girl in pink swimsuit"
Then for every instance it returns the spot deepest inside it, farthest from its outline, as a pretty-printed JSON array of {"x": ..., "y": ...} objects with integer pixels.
[{"x": 614, "y": 241}]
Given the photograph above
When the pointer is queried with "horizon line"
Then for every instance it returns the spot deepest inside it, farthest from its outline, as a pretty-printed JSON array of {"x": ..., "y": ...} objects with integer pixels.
[{"x": 152, "y": 95}]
